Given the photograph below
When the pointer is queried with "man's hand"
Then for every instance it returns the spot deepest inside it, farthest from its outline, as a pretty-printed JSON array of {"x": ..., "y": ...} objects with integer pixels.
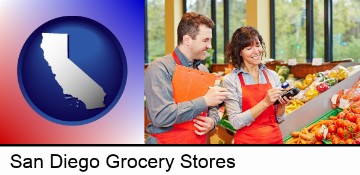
[
  {"x": 215, "y": 95},
  {"x": 203, "y": 125}
]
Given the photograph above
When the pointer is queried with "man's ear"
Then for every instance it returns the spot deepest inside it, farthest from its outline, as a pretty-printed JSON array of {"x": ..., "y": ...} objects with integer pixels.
[{"x": 186, "y": 40}]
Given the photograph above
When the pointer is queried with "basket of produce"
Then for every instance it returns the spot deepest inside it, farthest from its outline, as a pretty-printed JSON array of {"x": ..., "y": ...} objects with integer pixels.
[{"x": 311, "y": 134}]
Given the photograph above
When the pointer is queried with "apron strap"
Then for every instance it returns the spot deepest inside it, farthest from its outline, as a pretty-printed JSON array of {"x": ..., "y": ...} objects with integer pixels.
[
  {"x": 182, "y": 133},
  {"x": 176, "y": 58},
  {"x": 242, "y": 82}
]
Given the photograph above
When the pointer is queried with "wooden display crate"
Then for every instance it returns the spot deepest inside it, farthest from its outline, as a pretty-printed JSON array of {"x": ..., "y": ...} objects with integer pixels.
[{"x": 221, "y": 135}]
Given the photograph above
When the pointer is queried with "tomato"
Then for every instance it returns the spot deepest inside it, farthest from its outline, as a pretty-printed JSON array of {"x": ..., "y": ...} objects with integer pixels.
[
  {"x": 351, "y": 117},
  {"x": 355, "y": 108},
  {"x": 351, "y": 127},
  {"x": 319, "y": 136},
  {"x": 358, "y": 126},
  {"x": 340, "y": 132},
  {"x": 328, "y": 136},
  {"x": 357, "y": 120},
  {"x": 341, "y": 115},
  {"x": 349, "y": 141},
  {"x": 339, "y": 123},
  {"x": 334, "y": 136},
  {"x": 357, "y": 117},
  {"x": 332, "y": 129},
  {"x": 357, "y": 141},
  {"x": 346, "y": 134},
  {"x": 318, "y": 142},
  {"x": 346, "y": 123},
  {"x": 356, "y": 135},
  {"x": 335, "y": 141}
]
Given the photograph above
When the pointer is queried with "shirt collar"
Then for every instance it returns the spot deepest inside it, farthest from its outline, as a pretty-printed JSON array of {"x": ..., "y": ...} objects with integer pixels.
[
  {"x": 184, "y": 60},
  {"x": 241, "y": 69}
]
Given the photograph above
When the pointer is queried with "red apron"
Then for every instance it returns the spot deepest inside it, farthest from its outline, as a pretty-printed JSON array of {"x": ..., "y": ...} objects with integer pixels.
[
  {"x": 264, "y": 130},
  {"x": 182, "y": 133}
]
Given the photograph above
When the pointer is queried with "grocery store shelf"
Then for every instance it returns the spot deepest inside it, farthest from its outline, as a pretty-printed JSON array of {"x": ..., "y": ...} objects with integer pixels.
[{"x": 315, "y": 107}]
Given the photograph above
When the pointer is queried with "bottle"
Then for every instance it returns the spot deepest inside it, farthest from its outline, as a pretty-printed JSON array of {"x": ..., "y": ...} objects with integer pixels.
[
  {"x": 285, "y": 85},
  {"x": 290, "y": 93}
]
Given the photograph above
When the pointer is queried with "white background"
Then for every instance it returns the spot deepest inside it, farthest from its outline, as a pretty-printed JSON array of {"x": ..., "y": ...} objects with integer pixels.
[{"x": 260, "y": 160}]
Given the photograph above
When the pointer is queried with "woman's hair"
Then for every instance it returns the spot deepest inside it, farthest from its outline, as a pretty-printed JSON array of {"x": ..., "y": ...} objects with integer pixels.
[
  {"x": 242, "y": 38},
  {"x": 189, "y": 25}
]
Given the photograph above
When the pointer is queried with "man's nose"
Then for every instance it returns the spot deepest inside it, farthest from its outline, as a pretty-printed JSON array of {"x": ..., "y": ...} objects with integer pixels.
[{"x": 209, "y": 46}]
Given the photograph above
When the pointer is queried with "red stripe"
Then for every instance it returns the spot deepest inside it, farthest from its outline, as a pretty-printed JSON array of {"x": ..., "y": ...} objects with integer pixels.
[{"x": 176, "y": 58}]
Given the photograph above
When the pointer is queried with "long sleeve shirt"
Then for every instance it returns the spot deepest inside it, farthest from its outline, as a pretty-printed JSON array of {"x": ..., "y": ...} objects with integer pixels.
[
  {"x": 237, "y": 117},
  {"x": 161, "y": 108}
]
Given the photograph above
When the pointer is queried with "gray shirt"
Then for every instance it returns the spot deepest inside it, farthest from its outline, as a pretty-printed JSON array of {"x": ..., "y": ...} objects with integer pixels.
[
  {"x": 237, "y": 117},
  {"x": 161, "y": 109}
]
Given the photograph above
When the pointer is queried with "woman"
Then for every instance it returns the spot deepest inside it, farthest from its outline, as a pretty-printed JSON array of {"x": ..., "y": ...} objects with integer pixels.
[{"x": 252, "y": 91}]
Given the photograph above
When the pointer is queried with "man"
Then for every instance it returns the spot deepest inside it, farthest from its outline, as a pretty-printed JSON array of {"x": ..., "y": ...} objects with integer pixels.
[{"x": 194, "y": 39}]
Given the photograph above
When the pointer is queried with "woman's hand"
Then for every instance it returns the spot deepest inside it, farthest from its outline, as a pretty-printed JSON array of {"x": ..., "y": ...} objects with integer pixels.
[
  {"x": 280, "y": 108},
  {"x": 272, "y": 95},
  {"x": 284, "y": 101}
]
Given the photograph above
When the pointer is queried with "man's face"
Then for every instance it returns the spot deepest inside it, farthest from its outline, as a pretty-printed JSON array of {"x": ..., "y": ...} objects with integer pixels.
[{"x": 201, "y": 43}]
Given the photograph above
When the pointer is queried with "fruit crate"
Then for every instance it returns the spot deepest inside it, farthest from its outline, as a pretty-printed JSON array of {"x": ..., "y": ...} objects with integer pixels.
[{"x": 326, "y": 116}]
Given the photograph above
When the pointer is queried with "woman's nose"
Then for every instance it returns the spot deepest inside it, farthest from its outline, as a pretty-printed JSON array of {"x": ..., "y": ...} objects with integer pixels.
[{"x": 259, "y": 50}]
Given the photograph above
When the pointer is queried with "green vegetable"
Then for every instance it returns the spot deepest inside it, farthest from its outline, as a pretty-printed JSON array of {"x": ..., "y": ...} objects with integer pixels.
[
  {"x": 324, "y": 78},
  {"x": 277, "y": 68},
  {"x": 282, "y": 78},
  {"x": 283, "y": 71},
  {"x": 320, "y": 74},
  {"x": 331, "y": 81}
]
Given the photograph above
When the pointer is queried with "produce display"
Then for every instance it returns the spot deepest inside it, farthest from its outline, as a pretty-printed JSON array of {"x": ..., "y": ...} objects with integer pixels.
[
  {"x": 339, "y": 126},
  {"x": 342, "y": 128},
  {"x": 315, "y": 84},
  {"x": 346, "y": 96},
  {"x": 294, "y": 104},
  {"x": 283, "y": 72},
  {"x": 309, "y": 135},
  {"x": 345, "y": 127}
]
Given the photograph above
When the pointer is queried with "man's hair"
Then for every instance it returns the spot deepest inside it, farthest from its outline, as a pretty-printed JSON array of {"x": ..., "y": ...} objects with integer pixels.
[
  {"x": 242, "y": 38},
  {"x": 189, "y": 25}
]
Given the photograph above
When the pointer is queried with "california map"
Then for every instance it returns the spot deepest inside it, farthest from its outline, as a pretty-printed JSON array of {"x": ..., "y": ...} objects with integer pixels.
[{"x": 74, "y": 82}]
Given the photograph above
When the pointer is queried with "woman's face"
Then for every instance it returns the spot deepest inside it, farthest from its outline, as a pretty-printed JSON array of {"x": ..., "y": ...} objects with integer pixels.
[{"x": 252, "y": 54}]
